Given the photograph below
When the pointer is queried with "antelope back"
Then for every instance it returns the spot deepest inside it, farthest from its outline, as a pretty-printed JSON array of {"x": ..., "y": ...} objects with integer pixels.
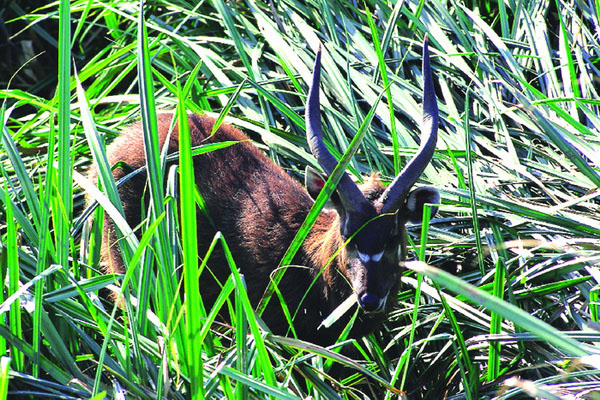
[{"x": 240, "y": 185}]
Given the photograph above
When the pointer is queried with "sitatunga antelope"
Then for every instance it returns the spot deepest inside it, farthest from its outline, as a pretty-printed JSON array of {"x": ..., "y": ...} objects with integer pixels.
[{"x": 259, "y": 208}]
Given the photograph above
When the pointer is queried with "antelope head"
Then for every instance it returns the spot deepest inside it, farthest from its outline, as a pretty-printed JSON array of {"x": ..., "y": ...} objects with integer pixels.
[{"x": 374, "y": 218}]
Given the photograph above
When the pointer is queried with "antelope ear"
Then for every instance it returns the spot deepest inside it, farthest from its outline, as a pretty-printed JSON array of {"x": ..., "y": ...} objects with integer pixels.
[
  {"x": 314, "y": 182},
  {"x": 416, "y": 201}
]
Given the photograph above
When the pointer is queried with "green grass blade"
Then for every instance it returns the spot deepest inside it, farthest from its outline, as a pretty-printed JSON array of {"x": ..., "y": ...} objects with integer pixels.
[
  {"x": 64, "y": 197},
  {"x": 232, "y": 100},
  {"x": 4, "y": 379},
  {"x": 189, "y": 243},
  {"x": 12, "y": 266}
]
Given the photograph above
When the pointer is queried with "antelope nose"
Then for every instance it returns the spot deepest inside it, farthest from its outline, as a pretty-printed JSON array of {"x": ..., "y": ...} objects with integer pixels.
[{"x": 369, "y": 302}]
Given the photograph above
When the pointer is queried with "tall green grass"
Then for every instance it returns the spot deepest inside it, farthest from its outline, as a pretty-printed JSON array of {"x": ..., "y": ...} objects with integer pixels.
[{"x": 517, "y": 162}]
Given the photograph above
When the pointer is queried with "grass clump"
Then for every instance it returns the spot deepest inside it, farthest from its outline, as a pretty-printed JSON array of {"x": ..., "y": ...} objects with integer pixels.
[{"x": 517, "y": 163}]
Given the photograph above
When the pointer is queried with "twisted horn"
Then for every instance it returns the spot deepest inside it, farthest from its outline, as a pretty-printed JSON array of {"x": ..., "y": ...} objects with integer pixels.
[
  {"x": 350, "y": 195},
  {"x": 395, "y": 194}
]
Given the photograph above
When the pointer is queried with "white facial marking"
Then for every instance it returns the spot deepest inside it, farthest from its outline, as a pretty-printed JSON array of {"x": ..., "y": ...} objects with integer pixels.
[
  {"x": 377, "y": 257},
  {"x": 365, "y": 258}
]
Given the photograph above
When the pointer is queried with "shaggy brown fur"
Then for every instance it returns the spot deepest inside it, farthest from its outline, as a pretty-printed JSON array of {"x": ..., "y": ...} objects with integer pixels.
[{"x": 258, "y": 208}]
